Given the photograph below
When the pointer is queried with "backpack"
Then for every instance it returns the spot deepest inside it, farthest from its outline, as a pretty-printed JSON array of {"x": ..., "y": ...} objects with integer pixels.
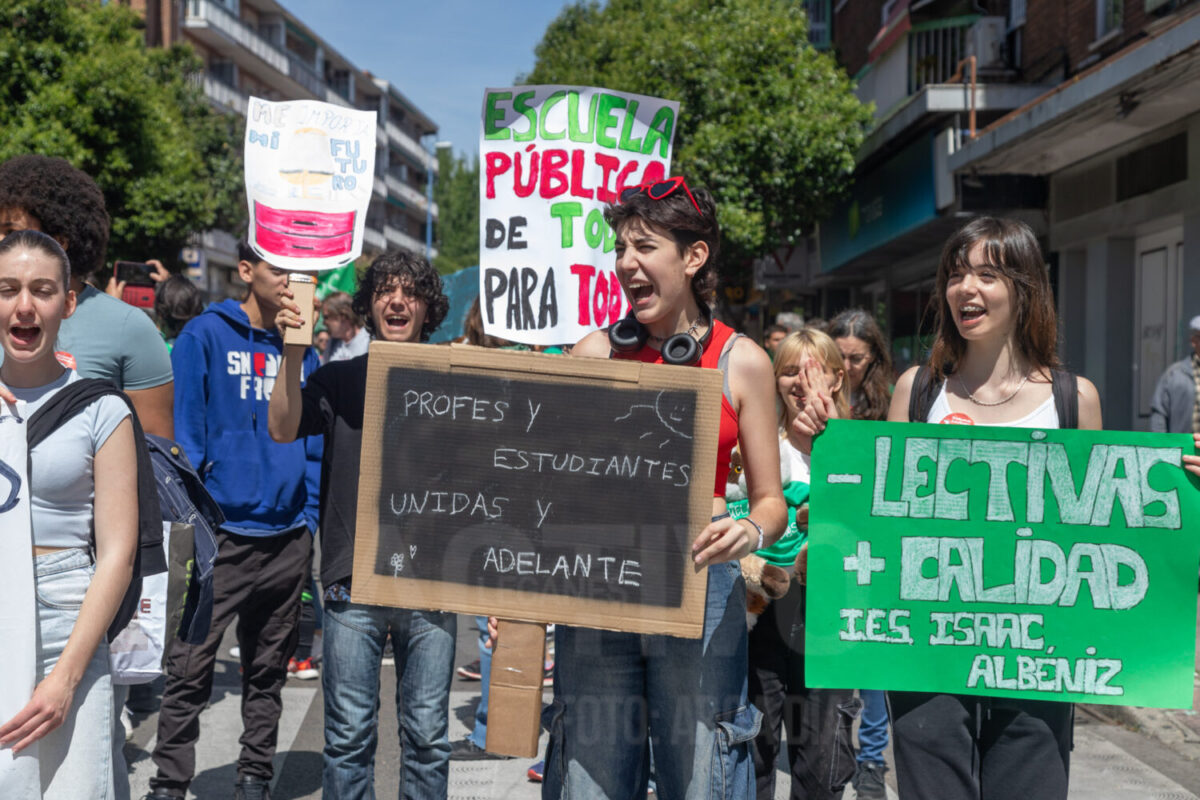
[
  {"x": 1063, "y": 385},
  {"x": 192, "y": 511}
]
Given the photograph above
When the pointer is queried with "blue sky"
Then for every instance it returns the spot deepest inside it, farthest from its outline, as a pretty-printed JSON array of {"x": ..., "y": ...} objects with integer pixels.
[{"x": 441, "y": 54}]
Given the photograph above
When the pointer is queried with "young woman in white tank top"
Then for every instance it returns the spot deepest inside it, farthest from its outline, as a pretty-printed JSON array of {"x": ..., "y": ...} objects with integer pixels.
[{"x": 994, "y": 349}]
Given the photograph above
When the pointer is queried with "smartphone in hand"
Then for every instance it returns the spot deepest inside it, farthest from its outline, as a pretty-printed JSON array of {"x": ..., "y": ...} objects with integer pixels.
[{"x": 139, "y": 282}]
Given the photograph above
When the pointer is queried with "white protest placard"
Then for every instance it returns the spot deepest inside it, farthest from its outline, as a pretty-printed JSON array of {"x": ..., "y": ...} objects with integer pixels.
[
  {"x": 19, "y": 777},
  {"x": 552, "y": 157},
  {"x": 310, "y": 167}
]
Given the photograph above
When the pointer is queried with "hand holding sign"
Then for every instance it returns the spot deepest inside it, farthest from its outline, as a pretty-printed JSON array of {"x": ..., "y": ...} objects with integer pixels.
[{"x": 1192, "y": 462}]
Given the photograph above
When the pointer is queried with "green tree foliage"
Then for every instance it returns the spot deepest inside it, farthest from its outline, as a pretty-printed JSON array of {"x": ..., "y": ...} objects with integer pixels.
[
  {"x": 77, "y": 81},
  {"x": 767, "y": 123},
  {"x": 456, "y": 192}
]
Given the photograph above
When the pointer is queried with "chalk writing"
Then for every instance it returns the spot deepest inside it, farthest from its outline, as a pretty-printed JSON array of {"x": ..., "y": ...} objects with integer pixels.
[{"x": 986, "y": 560}]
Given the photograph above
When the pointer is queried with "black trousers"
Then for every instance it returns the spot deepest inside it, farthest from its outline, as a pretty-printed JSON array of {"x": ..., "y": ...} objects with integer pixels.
[
  {"x": 820, "y": 746},
  {"x": 956, "y": 747},
  {"x": 258, "y": 580}
]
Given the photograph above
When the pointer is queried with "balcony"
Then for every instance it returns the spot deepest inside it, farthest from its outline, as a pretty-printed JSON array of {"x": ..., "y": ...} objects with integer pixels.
[
  {"x": 305, "y": 75},
  {"x": 398, "y": 238},
  {"x": 406, "y": 194},
  {"x": 223, "y": 95},
  {"x": 211, "y": 22},
  {"x": 410, "y": 146},
  {"x": 908, "y": 57},
  {"x": 373, "y": 239}
]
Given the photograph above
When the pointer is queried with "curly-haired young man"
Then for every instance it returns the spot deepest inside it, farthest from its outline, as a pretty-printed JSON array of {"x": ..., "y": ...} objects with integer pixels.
[
  {"x": 104, "y": 338},
  {"x": 401, "y": 300}
]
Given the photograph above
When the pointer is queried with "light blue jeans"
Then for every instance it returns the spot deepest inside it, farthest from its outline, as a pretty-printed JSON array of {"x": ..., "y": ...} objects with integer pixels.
[
  {"x": 479, "y": 733},
  {"x": 352, "y": 646},
  {"x": 76, "y": 758},
  {"x": 619, "y": 694}
]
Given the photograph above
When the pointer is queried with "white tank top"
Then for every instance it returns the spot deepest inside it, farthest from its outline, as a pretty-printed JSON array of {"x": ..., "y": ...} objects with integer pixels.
[{"x": 1044, "y": 416}]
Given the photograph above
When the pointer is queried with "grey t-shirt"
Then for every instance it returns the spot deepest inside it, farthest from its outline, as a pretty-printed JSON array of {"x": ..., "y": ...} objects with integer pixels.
[
  {"x": 63, "y": 482},
  {"x": 107, "y": 338}
]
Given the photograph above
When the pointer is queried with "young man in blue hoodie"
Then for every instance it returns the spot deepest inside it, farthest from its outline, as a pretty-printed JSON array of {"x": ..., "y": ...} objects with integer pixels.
[
  {"x": 225, "y": 362},
  {"x": 401, "y": 300}
]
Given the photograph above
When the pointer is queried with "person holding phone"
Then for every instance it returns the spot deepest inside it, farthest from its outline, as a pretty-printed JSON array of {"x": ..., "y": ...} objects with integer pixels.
[{"x": 104, "y": 338}]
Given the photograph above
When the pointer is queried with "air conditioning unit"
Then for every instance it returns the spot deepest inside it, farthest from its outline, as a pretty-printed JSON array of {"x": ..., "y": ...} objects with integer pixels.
[{"x": 985, "y": 41}]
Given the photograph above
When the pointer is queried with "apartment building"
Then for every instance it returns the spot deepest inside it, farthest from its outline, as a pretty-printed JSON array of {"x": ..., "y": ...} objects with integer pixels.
[
  {"x": 257, "y": 47},
  {"x": 1081, "y": 117}
]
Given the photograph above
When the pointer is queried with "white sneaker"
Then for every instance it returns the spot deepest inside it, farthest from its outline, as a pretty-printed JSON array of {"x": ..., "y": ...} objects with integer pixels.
[
  {"x": 235, "y": 652},
  {"x": 127, "y": 723}
]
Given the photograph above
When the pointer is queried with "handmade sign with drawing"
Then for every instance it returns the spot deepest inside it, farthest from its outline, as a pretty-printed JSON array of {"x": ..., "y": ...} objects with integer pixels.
[
  {"x": 536, "y": 487},
  {"x": 552, "y": 157},
  {"x": 310, "y": 169},
  {"x": 1045, "y": 564}
]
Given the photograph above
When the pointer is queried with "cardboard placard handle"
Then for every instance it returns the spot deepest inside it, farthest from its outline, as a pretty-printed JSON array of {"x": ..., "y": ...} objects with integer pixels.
[
  {"x": 304, "y": 288},
  {"x": 515, "y": 689}
]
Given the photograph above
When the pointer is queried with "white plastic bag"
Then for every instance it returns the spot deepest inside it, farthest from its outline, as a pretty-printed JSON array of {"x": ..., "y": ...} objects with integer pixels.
[{"x": 136, "y": 654}]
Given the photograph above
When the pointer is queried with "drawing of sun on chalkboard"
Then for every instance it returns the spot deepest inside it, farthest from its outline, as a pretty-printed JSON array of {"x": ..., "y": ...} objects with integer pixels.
[{"x": 662, "y": 421}]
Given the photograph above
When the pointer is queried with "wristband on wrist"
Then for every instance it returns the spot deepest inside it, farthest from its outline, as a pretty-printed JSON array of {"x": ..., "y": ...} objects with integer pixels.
[{"x": 758, "y": 528}]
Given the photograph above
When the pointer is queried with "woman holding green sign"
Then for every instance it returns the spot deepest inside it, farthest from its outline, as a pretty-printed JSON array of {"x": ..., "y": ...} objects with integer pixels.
[
  {"x": 617, "y": 695},
  {"x": 993, "y": 362}
]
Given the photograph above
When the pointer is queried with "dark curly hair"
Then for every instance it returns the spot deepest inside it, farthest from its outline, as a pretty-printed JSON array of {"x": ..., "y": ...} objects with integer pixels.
[
  {"x": 403, "y": 267},
  {"x": 65, "y": 201},
  {"x": 676, "y": 215}
]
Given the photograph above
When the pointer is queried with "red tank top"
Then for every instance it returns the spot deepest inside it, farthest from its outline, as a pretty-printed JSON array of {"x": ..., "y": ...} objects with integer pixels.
[{"x": 728, "y": 433}]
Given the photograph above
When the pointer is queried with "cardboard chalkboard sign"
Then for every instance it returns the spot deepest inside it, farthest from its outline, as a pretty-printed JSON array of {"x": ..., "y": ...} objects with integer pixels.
[{"x": 536, "y": 487}]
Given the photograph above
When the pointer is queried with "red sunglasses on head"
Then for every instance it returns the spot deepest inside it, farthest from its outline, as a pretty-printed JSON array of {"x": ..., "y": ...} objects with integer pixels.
[{"x": 657, "y": 190}]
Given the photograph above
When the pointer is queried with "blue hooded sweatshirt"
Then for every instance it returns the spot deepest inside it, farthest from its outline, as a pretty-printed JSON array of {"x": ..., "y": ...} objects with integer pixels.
[{"x": 224, "y": 372}]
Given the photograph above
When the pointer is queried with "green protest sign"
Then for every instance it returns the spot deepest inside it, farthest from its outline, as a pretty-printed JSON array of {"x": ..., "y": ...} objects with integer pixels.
[{"x": 1044, "y": 564}]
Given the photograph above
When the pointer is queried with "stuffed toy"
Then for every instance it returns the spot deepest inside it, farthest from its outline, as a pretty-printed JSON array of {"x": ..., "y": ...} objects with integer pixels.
[{"x": 764, "y": 582}]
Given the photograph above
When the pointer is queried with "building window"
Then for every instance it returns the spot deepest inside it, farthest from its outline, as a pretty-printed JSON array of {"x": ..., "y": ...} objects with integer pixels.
[
  {"x": 1016, "y": 14},
  {"x": 224, "y": 71},
  {"x": 1109, "y": 14},
  {"x": 818, "y": 23}
]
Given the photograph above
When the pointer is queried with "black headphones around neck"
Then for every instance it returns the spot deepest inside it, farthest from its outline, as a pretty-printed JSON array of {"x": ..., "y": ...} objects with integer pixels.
[{"x": 682, "y": 350}]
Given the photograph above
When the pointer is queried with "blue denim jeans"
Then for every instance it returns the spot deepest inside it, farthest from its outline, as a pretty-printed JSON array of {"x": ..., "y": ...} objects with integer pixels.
[
  {"x": 873, "y": 726},
  {"x": 75, "y": 758},
  {"x": 479, "y": 733},
  {"x": 423, "y": 643},
  {"x": 619, "y": 694}
]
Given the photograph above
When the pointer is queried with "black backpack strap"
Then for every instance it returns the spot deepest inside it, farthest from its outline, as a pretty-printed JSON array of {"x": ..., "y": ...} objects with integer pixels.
[
  {"x": 148, "y": 558},
  {"x": 924, "y": 392},
  {"x": 1065, "y": 388}
]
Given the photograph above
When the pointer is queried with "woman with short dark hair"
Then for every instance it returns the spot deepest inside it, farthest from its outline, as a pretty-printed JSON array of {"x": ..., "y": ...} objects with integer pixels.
[{"x": 620, "y": 695}]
